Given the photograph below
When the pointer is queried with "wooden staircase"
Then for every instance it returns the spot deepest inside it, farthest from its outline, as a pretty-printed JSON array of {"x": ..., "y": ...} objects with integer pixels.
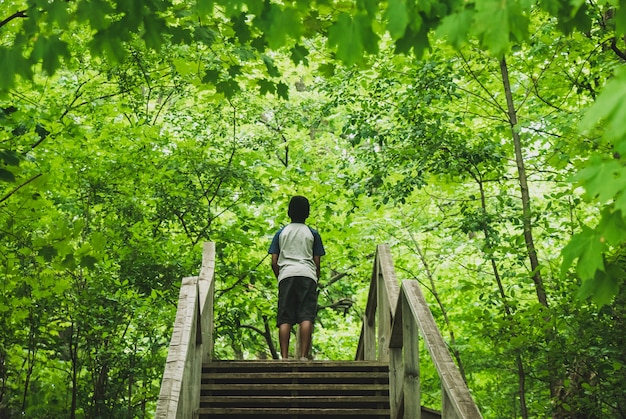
[
  {"x": 383, "y": 381},
  {"x": 290, "y": 389}
]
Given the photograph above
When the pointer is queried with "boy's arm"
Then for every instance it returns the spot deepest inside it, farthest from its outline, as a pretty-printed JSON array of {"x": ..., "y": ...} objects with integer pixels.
[
  {"x": 317, "y": 260},
  {"x": 275, "y": 264}
]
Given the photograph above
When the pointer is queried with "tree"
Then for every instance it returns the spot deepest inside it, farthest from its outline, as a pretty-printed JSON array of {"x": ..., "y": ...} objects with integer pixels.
[{"x": 132, "y": 132}]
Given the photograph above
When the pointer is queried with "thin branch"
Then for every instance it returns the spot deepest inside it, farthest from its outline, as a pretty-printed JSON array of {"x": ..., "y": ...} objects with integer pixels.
[
  {"x": 219, "y": 293},
  {"x": 616, "y": 50},
  {"x": 341, "y": 275},
  {"x": 16, "y": 15},
  {"x": 17, "y": 188},
  {"x": 77, "y": 95},
  {"x": 277, "y": 129},
  {"x": 493, "y": 101}
]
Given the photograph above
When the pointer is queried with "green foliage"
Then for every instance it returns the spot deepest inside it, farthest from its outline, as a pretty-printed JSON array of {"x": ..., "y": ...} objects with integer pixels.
[
  {"x": 131, "y": 132},
  {"x": 603, "y": 182}
]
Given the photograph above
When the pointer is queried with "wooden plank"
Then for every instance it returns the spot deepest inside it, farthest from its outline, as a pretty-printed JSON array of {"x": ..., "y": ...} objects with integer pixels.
[
  {"x": 297, "y": 375},
  {"x": 388, "y": 273},
  {"x": 367, "y": 340},
  {"x": 372, "y": 299},
  {"x": 177, "y": 397},
  {"x": 180, "y": 388},
  {"x": 294, "y": 387},
  {"x": 410, "y": 342},
  {"x": 294, "y": 399},
  {"x": 294, "y": 364},
  {"x": 206, "y": 286},
  {"x": 292, "y": 411},
  {"x": 388, "y": 291}
]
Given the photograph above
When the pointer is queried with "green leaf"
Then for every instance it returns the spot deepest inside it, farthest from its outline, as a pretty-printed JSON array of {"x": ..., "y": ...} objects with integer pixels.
[
  {"x": 346, "y": 36},
  {"x": 603, "y": 286},
  {"x": 55, "y": 49},
  {"x": 12, "y": 63},
  {"x": 88, "y": 261},
  {"x": 204, "y": 35},
  {"x": 369, "y": 6},
  {"x": 228, "y": 88},
  {"x": 299, "y": 54},
  {"x": 518, "y": 24},
  {"x": 240, "y": 26},
  {"x": 211, "y": 76},
  {"x": 586, "y": 246},
  {"x": 418, "y": 41},
  {"x": 6, "y": 176},
  {"x": 266, "y": 86},
  {"x": 185, "y": 67},
  {"x": 620, "y": 202},
  {"x": 234, "y": 70},
  {"x": 153, "y": 32},
  {"x": 608, "y": 108},
  {"x": 10, "y": 157},
  {"x": 272, "y": 70},
  {"x": 397, "y": 18},
  {"x": 106, "y": 43},
  {"x": 205, "y": 7},
  {"x": 611, "y": 227},
  {"x": 492, "y": 24},
  {"x": 58, "y": 11},
  {"x": 48, "y": 253},
  {"x": 283, "y": 91},
  {"x": 281, "y": 23},
  {"x": 602, "y": 179},
  {"x": 327, "y": 69},
  {"x": 455, "y": 27},
  {"x": 590, "y": 259},
  {"x": 96, "y": 12}
]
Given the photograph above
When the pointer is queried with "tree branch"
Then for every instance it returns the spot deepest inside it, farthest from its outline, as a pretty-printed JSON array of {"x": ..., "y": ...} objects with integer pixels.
[
  {"x": 616, "y": 50},
  {"x": 16, "y": 15},
  {"x": 17, "y": 188},
  {"x": 267, "y": 334}
]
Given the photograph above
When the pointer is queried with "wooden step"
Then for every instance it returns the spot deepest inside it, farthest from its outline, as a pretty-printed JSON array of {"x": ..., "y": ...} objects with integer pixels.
[
  {"x": 313, "y": 389},
  {"x": 312, "y": 413}
]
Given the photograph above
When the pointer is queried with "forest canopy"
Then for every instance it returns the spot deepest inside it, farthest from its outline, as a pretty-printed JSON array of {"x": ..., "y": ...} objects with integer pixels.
[{"x": 482, "y": 140}]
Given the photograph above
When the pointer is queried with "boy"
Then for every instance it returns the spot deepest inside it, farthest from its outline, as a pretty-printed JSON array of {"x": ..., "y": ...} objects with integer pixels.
[{"x": 296, "y": 251}]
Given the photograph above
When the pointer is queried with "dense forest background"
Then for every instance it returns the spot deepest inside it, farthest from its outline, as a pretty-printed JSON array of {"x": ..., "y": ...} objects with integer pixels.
[{"x": 482, "y": 140}]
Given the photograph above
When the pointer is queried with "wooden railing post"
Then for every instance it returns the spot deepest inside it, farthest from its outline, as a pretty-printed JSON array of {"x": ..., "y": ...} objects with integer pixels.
[
  {"x": 387, "y": 291},
  {"x": 206, "y": 286},
  {"x": 191, "y": 343},
  {"x": 411, "y": 376}
]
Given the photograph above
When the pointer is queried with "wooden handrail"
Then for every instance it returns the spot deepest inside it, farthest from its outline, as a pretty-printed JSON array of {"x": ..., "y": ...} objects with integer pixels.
[
  {"x": 381, "y": 302},
  {"x": 403, "y": 316},
  {"x": 191, "y": 343}
]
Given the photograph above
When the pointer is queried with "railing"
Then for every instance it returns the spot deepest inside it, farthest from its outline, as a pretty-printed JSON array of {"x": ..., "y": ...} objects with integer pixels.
[
  {"x": 191, "y": 344},
  {"x": 395, "y": 318}
]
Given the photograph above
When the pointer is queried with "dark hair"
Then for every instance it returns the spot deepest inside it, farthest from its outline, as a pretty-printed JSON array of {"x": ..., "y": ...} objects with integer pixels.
[{"x": 299, "y": 209}]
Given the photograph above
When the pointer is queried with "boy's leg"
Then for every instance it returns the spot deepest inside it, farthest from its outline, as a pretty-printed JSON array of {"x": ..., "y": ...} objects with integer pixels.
[
  {"x": 306, "y": 333},
  {"x": 306, "y": 314},
  {"x": 284, "y": 332}
]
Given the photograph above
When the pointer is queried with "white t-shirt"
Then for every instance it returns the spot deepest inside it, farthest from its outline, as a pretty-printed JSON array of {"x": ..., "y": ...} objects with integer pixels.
[{"x": 296, "y": 244}]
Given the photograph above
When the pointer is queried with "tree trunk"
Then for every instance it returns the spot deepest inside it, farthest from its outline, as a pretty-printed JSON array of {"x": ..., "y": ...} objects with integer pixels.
[
  {"x": 73, "y": 347},
  {"x": 521, "y": 374},
  {"x": 523, "y": 183},
  {"x": 526, "y": 214}
]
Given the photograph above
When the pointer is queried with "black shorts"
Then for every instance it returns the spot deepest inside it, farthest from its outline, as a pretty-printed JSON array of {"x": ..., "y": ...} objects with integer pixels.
[{"x": 297, "y": 300}]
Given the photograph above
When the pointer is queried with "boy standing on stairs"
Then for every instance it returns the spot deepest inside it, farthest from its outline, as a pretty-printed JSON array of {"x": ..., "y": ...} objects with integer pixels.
[{"x": 296, "y": 251}]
